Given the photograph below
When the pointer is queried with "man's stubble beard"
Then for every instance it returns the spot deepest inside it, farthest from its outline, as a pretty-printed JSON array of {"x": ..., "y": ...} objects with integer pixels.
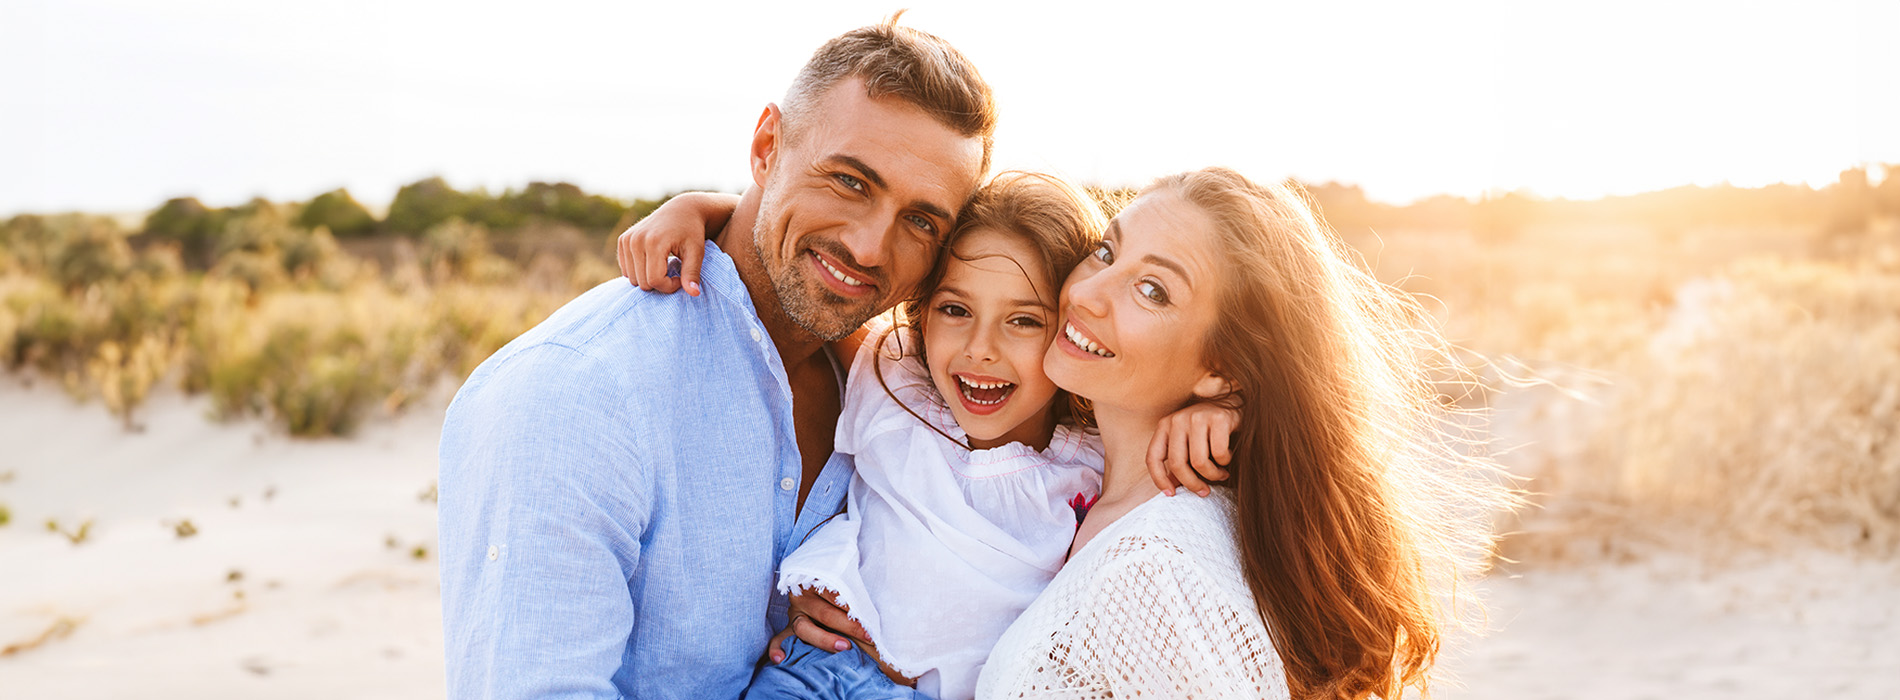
[{"x": 795, "y": 297}]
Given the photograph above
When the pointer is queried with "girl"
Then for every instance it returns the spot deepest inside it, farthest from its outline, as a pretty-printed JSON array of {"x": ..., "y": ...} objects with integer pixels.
[{"x": 973, "y": 468}]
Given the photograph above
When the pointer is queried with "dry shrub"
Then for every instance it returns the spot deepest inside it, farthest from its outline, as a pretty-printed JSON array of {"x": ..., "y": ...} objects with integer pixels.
[
  {"x": 315, "y": 362},
  {"x": 1763, "y": 409}
]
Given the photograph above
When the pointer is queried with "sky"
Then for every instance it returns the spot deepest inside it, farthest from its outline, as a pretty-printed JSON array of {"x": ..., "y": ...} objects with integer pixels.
[{"x": 117, "y": 105}]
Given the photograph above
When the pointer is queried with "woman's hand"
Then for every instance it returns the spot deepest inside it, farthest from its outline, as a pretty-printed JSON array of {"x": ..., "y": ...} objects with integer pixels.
[
  {"x": 1190, "y": 447},
  {"x": 679, "y": 228},
  {"x": 817, "y": 619}
]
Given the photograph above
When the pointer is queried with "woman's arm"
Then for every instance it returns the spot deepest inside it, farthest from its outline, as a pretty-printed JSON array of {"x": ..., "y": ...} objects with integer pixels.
[{"x": 679, "y": 228}]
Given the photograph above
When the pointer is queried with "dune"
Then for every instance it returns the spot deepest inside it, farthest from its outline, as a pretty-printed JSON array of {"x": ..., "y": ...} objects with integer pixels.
[
  {"x": 221, "y": 560},
  {"x": 307, "y": 570}
]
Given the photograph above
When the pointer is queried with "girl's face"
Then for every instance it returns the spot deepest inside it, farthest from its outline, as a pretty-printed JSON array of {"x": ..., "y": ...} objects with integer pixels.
[
  {"x": 1137, "y": 310},
  {"x": 985, "y": 331}
]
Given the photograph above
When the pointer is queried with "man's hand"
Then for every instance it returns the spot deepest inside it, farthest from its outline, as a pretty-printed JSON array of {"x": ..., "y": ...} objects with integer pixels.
[
  {"x": 1190, "y": 447},
  {"x": 817, "y": 619}
]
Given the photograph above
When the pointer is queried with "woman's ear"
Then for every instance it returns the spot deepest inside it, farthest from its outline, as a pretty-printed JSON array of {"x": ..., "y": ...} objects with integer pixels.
[
  {"x": 767, "y": 138},
  {"x": 1211, "y": 385}
]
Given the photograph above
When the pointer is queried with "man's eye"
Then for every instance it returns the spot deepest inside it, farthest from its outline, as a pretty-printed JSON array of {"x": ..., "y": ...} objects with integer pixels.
[
  {"x": 1103, "y": 254},
  {"x": 922, "y": 223},
  {"x": 850, "y": 182},
  {"x": 1153, "y": 291}
]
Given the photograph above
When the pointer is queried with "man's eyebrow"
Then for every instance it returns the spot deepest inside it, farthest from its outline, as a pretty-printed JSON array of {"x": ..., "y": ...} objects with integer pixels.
[
  {"x": 867, "y": 171},
  {"x": 872, "y": 175}
]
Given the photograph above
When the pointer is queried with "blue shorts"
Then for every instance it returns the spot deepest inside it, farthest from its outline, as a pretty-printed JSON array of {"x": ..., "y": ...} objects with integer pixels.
[{"x": 810, "y": 673}]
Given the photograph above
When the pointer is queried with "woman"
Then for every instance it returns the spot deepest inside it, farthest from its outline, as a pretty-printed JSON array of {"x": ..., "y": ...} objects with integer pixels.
[{"x": 1318, "y": 569}]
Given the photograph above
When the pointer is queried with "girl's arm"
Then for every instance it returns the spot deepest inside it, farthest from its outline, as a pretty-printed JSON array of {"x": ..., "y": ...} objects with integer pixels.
[
  {"x": 679, "y": 228},
  {"x": 1191, "y": 446}
]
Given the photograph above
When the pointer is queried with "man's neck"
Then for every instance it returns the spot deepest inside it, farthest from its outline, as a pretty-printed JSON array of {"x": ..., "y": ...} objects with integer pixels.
[{"x": 795, "y": 344}]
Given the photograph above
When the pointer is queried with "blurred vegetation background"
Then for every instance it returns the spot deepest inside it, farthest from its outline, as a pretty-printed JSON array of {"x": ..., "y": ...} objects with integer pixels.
[
  {"x": 1696, "y": 362},
  {"x": 312, "y": 314}
]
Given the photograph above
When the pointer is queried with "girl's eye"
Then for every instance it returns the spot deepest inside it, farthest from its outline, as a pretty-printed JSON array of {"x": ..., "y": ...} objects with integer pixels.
[
  {"x": 1026, "y": 322},
  {"x": 955, "y": 310},
  {"x": 922, "y": 223},
  {"x": 1103, "y": 254},
  {"x": 1153, "y": 291},
  {"x": 850, "y": 182}
]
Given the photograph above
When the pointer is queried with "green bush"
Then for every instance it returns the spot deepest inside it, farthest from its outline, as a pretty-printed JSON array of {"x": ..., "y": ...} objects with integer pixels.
[
  {"x": 421, "y": 205},
  {"x": 191, "y": 224},
  {"x": 337, "y": 211}
]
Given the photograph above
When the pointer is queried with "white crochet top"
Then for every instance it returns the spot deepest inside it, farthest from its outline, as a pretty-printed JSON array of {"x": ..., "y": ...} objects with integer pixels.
[
  {"x": 939, "y": 547},
  {"x": 1154, "y": 606}
]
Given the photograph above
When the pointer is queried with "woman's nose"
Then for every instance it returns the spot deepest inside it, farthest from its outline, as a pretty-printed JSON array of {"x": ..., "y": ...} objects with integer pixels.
[{"x": 1088, "y": 292}]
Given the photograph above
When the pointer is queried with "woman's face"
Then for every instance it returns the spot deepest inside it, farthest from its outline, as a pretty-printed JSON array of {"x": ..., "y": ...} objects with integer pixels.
[
  {"x": 1136, "y": 312},
  {"x": 986, "y": 328}
]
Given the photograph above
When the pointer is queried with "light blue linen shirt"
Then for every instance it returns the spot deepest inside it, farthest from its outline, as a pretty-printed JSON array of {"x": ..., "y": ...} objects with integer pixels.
[{"x": 617, "y": 489}]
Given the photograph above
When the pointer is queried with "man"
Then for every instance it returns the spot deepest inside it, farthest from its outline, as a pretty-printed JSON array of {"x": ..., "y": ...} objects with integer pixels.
[{"x": 619, "y": 484}]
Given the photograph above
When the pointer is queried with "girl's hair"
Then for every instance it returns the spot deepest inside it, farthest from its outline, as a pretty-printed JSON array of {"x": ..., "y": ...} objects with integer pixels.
[
  {"x": 1061, "y": 223},
  {"x": 1358, "y": 513}
]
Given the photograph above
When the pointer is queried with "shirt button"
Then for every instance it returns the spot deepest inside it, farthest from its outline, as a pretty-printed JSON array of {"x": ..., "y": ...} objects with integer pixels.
[
  {"x": 755, "y": 335},
  {"x": 786, "y": 484},
  {"x": 494, "y": 552}
]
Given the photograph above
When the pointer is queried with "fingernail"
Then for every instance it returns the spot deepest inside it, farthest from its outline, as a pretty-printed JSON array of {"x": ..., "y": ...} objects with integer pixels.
[
  {"x": 693, "y": 287},
  {"x": 1176, "y": 491},
  {"x": 1204, "y": 493},
  {"x": 841, "y": 645},
  {"x": 777, "y": 657}
]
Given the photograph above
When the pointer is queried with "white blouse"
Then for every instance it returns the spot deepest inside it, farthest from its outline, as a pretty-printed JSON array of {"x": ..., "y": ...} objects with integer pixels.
[
  {"x": 939, "y": 547},
  {"x": 1154, "y": 606}
]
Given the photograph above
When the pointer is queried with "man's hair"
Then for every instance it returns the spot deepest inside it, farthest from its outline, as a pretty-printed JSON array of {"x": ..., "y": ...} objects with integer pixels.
[{"x": 904, "y": 63}]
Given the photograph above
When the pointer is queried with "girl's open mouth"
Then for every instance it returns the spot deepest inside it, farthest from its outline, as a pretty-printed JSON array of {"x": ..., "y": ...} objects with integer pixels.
[{"x": 983, "y": 395}]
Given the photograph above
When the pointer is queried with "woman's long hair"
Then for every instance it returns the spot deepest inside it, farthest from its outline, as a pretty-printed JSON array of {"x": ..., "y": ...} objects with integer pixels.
[{"x": 1357, "y": 513}]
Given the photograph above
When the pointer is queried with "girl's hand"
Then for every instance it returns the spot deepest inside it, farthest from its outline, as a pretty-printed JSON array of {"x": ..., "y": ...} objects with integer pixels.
[
  {"x": 1190, "y": 447},
  {"x": 817, "y": 619},
  {"x": 679, "y": 228}
]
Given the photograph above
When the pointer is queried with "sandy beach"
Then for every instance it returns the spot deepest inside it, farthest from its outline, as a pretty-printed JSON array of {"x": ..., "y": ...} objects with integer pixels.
[{"x": 310, "y": 573}]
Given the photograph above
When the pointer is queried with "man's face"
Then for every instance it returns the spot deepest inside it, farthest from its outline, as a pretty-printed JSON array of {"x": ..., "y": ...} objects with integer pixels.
[{"x": 856, "y": 204}]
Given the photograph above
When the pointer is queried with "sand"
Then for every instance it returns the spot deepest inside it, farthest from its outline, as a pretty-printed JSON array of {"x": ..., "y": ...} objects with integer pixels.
[{"x": 324, "y": 607}]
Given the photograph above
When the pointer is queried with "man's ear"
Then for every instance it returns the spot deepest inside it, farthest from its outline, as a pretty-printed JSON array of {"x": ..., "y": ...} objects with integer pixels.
[
  {"x": 767, "y": 138},
  {"x": 1211, "y": 385}
]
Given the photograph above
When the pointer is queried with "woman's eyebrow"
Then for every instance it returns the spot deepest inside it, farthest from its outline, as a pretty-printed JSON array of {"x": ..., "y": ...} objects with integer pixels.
[
  {"x": 1114, "y": 230},
  {"x": 1153, "y": 259}
]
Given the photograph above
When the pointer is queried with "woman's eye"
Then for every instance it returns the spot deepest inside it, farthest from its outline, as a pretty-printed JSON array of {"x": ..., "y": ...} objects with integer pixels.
[
  {"x": 1153, "y": 291},
  {"x": 853, "y": 183},
  {"x": 956, "y": 310},
  {"x": 1103, "y": 254}
]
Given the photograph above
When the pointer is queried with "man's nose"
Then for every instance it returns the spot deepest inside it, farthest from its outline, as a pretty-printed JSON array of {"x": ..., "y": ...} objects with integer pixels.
[{"x": 869, "y": 243}]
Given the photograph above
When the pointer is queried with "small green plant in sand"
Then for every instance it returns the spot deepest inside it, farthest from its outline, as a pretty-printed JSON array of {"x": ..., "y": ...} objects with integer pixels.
[{"x": 77, "y": 536}]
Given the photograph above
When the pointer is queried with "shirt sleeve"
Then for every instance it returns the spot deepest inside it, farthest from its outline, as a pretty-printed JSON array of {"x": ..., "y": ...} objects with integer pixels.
[{"x": 542, "y": 507}]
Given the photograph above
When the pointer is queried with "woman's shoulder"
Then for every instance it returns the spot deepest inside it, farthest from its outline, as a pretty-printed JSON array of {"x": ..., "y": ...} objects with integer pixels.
[{"x": 1189, "y": 536}]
